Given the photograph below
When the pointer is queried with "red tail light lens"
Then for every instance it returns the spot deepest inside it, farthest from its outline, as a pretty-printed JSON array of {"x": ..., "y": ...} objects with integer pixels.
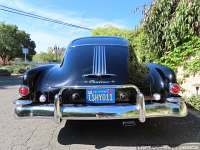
[
  {"x": 174, "y": 88},
  {"x": 24, "y": 90}
]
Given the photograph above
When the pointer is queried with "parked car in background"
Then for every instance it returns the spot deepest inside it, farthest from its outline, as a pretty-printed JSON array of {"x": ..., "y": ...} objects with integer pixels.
[{"x": 100, "y": 78}]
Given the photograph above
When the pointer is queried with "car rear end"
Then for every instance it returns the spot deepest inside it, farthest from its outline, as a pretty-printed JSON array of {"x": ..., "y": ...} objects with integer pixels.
[{"x": 93, "y": 83}]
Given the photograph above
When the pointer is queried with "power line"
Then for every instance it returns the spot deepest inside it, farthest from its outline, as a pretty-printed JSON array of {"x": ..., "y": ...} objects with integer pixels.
[
  {"x": 19, "y": 12},
  {"x": 35, "y": 16}
]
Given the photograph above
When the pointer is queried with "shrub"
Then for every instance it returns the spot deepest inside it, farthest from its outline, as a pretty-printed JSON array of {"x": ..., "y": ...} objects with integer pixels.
[
  {"x": 4, "y": 72},
  {"x": 181, "y": 56},
  {"x": 194, "y": 101},
  {"x": 16, "y": 69},
  {"x": 169, "y": 23}
]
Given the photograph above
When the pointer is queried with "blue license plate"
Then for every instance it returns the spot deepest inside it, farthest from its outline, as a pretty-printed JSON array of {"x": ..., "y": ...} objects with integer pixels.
[{"x": 100, "y": 95}]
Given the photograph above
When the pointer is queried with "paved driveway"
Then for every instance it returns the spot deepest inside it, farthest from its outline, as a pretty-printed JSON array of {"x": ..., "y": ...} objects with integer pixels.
[{"x": 164, "y": 133}]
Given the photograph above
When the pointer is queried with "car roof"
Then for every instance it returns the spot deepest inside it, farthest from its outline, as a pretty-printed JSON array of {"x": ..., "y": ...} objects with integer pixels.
[{"x": 99, "y": 40}]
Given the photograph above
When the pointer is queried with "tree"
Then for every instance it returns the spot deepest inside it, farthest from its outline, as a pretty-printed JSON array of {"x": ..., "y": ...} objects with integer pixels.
[
  {"x": 43, "y": 57},
  {"x": 53, "y": 54},
  {"x": 169, "y": 24},
  {"x": 57, "y": 51},
  {"x": 11, "y": 42}
]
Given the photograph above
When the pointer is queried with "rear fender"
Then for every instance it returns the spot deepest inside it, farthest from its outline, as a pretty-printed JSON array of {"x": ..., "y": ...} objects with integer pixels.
[
  {"x": 31, "y": 77},
  {"x": 162, "y": 76}
]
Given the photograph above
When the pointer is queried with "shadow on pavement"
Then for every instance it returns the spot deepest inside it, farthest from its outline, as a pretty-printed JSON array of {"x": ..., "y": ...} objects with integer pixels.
[
  {"x": 155, "y": 132},
  {"x": 6, "y": 81}
]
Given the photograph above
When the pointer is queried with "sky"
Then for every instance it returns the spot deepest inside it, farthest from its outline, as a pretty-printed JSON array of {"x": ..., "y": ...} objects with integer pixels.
[{"x": 87, "y": 13}]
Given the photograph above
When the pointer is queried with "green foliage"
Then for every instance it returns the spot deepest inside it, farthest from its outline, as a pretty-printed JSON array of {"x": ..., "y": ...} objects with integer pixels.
[
  {"x": 193, "y": 66},
  {"x": 16, "y": 69},
  {"x": 57, "y": 53},
  {"x": 53, "y": 54},
  {"x": 11, "y": 42},
  {"x": 113, "y": 31},
  {"x": 4, "y": 72},
  {"x": 187, "y": 55},
  {"x": 43, "y": 57},
  {"x": 194, "y": 101},
  {"x": 139, "y": 44},
  {"x": 169, "y": 23},
  {"x": 136, "y": 70}
]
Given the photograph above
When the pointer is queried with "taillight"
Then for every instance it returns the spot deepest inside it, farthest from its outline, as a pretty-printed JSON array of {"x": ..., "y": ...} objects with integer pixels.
[
  {"x": 24, "y": 90},
  {"x": 174, "y": 88}
]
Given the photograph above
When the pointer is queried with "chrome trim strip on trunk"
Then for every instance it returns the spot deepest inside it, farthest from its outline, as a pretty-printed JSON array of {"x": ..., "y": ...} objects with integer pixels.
[
  {"x": 93, "y": 64},
  {"x": 99, "y": 44},
  {"x": 96, "y": 65},
  {"x": 99, "y": 61},
  {"x": 105, "y": 65},
  {"x": 102, "y": 66},
  {"x": 99, "y": 66}
]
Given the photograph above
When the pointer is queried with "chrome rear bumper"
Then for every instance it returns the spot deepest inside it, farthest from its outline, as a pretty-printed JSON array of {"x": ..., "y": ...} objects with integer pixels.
[
  {"x": 89, "y": 112},
  {"x": 174, "y": 107}
]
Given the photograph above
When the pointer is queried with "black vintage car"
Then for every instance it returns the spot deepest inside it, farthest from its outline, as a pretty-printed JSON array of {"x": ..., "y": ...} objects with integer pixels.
[{"x": 100, "y": 78}]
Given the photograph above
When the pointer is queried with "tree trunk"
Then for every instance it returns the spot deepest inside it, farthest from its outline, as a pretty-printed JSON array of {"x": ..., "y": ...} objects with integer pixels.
[{"x": 3, "y": 60}]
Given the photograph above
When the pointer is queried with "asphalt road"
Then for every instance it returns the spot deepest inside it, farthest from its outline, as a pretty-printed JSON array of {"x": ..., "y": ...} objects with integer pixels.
[{"x": 35, "y": 134}]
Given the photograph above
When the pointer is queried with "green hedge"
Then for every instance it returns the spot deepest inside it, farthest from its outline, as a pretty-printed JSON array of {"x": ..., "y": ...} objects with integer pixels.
[
  {"x": 15, "y": 69},
  {"x": 4, "y": 72},
  {"x": 194, "y": 101}
]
